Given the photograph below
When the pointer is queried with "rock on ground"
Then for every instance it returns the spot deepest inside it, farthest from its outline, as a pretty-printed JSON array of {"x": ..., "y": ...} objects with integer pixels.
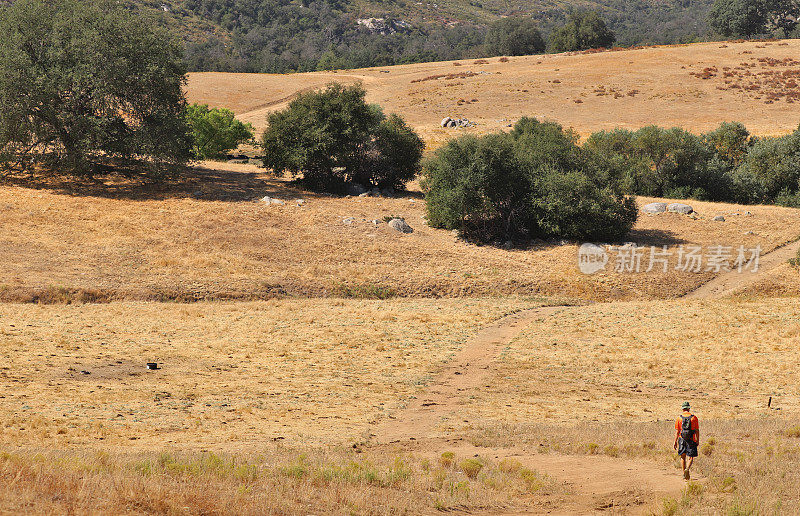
[
  {"x": 719, "y": 218},
  {"x": 400, "y": 225},
  {"x": 678, "y": 207},
  {"x": 655, "y": 207}
]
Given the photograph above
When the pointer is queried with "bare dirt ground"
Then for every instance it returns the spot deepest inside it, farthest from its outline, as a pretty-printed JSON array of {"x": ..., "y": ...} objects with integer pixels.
[{"x": 694, "y": 86}]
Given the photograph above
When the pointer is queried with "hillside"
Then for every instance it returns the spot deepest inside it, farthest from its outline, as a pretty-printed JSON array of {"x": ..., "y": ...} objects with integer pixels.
[
  {"x": 695, "y": 87},
  {"x": 286, "y": 35}
]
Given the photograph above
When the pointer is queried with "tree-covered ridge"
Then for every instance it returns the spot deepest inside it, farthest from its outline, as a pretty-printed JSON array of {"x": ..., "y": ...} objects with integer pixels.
[{"x": 305, "y": 35}]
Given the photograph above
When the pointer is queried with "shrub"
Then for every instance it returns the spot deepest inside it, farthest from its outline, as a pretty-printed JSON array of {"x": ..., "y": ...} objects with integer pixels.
[
  {"x": 660, "y": 162},
  {"x": 583, "y": 30},
  {"x": 447, "y": 459},
  {"x": 514, "y": 36},
  {"x": 215, "y": 132},
  {"x": 89, "y": 85},
  {"x": 532, "y": 182},
  {"x": 333, "y": 137},
  {"x": 471, "y": 467},
  {"x": 509, "y": 466},
  {"x": 771, "y": 169},
  {"x": 795, "y": 262}
]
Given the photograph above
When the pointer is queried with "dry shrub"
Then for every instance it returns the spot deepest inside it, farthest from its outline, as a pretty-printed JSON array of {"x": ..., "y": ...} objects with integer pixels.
[
  {"x": 447, "y": 459},
  {"x": 480, "y": 62},
  {"x": 503, "y": 59},
  {"x": 471, "y": 467}
]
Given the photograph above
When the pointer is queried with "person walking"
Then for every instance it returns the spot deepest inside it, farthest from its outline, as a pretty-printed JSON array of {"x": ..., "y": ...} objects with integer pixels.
[{"x": 687, "y": 438}]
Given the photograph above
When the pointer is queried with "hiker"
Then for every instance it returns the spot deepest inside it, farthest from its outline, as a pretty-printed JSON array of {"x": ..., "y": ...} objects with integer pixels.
[{"x": 687, "y": 437}]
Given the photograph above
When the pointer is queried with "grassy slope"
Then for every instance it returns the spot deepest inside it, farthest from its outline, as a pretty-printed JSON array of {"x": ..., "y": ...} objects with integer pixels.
[{"x": 209, "y": 237}]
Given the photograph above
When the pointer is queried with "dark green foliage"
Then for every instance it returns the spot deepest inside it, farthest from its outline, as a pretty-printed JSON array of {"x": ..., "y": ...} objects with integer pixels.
[
  {"x": 726, "y": 164},
  {"x": 740, "y": 18},
  {"x": 655, "y": 161},
  {"x": 215, "y": 132},
  {"x": 771, "y": 171},
  {"x": 746, "y": 18},
  {"x": 85, "y": 85},
  {"x": 396, "y": 156},
  {"x": 584, "y": 30},
  {"x": 532, "y": 182},
  {"x": 286, "y": 35},
  {"x": 514, "y": 36},
  {"x": 333, "y": 137}
]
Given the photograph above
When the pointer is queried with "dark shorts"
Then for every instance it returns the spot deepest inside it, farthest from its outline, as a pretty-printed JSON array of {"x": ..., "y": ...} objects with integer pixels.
[{"x": 687, "y": 447}]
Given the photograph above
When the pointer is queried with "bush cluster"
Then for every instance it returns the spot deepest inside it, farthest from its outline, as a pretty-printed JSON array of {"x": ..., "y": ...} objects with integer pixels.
[
  {"x": 332, "y": 138},
  {"x": 532, "y": 182},
  {"x": 725, "y": 165}
]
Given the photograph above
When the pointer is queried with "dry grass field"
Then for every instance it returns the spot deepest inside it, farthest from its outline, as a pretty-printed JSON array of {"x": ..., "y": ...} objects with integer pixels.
[
  {"x": 294, "y": 371},
  {"x": 256, "y": 405},
  {"x": 694, "y": 86},
  {"x": 640, "y": 360},
  {"x": 209, "y": 237},
  {"x": 314, "y": 361}
]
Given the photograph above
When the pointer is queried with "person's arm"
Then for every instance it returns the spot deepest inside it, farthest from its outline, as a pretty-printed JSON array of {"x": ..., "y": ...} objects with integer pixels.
[{"x": 677, "y": 434}]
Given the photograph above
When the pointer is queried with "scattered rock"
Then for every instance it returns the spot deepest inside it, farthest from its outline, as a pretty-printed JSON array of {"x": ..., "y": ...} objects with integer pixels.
[
  {"x": 365, "y": 194},
  {"x": 376, "y": 222},
  {"x": 400, "y": 225},
  {"x": 655, "y": 207},
  {"x": 355, "y": 189},
  {"x": 508, "y": 244},
  {"x": 749, "y": 233},
  {"x": 719, "y": 218},
  {"x": 678, "y": 207},
  {"x": 269, "y": 200},
  {"x": 300, "y": 202},
  {"x": 748, "y": 214},
  {"x": 457, "y": 122},
  {"x": 348, "y": 221}
]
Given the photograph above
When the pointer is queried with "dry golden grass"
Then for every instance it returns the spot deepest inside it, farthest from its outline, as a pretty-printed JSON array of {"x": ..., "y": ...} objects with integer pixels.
[
  {"x": 295, "y": 371},
  {"x": 630, "y": 89},
  {"x": 639, "y": 361},
  {"x": 208, "y": 237},
  {"x": 274, "y": 481}
]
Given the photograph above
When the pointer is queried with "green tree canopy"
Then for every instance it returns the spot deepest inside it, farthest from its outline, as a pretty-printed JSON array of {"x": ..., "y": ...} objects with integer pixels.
[
  {"x": 514, "y": 36},
  {"x": 84, "y": 84},
  {"x": 333, "y": 137},
  {"x": 532, "y": 182},
  {"x": 215, "y": 131},
  {"x": 583, "y": 30},
  {"x": 739, "y": 18}
]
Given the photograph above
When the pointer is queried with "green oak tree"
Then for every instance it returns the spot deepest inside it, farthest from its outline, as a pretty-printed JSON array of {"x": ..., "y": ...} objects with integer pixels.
[{"x": 87, "y": 86}]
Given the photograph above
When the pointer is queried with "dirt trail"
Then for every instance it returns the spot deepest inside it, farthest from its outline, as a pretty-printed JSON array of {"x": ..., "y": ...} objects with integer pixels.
[
  {"x": 597, "y": 483},
  {"x": 731, "y": 281}
]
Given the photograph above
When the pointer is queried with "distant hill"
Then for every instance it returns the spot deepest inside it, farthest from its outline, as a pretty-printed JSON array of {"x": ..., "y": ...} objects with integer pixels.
[{"x": 306, "y": 35}]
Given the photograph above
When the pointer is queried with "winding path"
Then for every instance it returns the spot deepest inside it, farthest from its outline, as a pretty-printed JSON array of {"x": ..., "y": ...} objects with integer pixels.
[{"x": 597, "y": 483}]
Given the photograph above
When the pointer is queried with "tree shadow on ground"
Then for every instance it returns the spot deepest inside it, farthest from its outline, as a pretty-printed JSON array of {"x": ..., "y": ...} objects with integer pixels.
[
  {"x": 655, "y": 237},
  {"x": 224, "y": 182},
  {"x": 209, "y": 182}
]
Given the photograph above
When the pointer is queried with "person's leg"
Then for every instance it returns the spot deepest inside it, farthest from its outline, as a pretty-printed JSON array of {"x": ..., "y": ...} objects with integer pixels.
[
  {"x": 683, "y": 461},
  {"x": 690, "y": 462}
]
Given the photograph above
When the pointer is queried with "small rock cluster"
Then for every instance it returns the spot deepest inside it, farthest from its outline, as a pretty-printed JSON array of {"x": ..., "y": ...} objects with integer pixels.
[
  {"x": 457, "y": 122},
  {"x": 654, "y": 208},
  {"x": 358, "y": 190},
  {"x": 279, "y": 202}
]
